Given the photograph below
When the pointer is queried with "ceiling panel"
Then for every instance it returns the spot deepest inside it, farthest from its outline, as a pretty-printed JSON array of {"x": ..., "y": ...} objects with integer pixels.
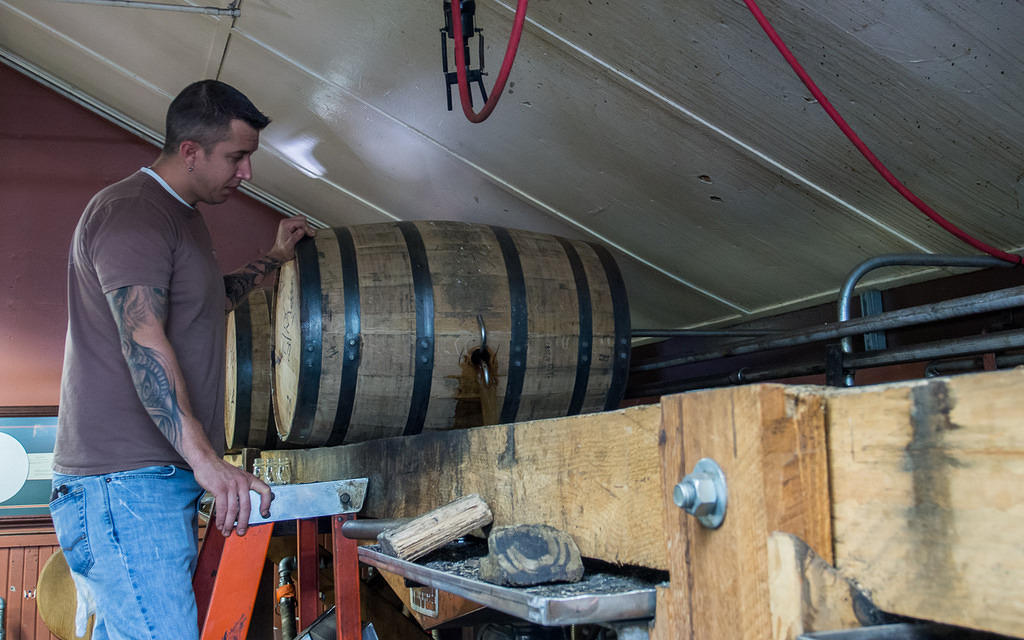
[
  {"x": 132, "y": 60},
  {"x": 670, "y": 130},
  {"x": 934, "y": 89}
]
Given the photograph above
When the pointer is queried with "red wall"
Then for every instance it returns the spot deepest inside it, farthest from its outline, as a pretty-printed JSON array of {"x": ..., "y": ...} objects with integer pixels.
[{"x": 54, "y": 155}]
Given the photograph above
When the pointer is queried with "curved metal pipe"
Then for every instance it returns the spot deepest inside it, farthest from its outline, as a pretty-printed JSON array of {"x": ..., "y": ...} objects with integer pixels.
[{"x": 902, "y": 260}]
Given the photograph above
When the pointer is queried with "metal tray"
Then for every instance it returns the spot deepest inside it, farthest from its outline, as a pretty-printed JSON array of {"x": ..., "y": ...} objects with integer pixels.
[{"x": 613, "y": 597}]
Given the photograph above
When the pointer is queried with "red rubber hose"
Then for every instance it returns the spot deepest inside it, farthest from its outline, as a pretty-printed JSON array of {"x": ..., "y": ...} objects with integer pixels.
[
  {"x": 863, "y": 148},
  {"x": 506, "y": 65}
]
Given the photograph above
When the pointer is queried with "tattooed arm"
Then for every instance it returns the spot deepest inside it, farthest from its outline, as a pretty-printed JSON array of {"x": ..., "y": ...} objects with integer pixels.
[
  {"x": 238, "y": 284},
  {"x": 140, "y": 313}
]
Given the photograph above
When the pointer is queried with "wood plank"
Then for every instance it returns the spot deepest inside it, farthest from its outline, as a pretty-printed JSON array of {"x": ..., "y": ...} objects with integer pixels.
[
  {"x": 927, "y": 480},
  {"x": 769, "y": 441},
  {"x": 594, "y": 476}
]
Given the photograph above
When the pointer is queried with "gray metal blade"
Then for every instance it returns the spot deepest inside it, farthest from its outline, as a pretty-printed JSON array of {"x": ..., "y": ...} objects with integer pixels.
[{"x": 311, "y": 500}]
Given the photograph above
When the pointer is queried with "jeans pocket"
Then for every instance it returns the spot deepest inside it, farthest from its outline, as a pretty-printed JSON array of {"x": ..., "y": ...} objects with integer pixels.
[{"x": 68, "y": 513}]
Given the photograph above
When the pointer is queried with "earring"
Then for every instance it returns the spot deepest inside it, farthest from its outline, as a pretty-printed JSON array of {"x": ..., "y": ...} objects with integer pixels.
[{"x": 190, "y": 169}]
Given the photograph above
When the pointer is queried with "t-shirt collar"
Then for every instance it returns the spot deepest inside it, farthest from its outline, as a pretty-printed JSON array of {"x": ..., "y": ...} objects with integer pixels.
[{"x": 166, "y": 186}]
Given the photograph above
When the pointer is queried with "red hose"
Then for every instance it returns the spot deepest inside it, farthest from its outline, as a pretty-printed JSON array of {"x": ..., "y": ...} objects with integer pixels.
[
  {"x": 863, "y": 148},
  {"x": 506, "y": 65}
]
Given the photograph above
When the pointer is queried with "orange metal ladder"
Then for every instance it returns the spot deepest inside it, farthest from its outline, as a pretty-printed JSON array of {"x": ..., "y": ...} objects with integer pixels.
[{"x": 228, "y": 574}]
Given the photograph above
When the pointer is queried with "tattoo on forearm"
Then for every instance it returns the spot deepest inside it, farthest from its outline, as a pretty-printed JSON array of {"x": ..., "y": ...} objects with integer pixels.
[
  {"x": 239, "y": 283},
  {"x": 147, "y": 366}
]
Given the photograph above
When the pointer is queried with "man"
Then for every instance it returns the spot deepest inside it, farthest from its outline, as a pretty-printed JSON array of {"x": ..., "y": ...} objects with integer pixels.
[{"x": 141, "y": 429}]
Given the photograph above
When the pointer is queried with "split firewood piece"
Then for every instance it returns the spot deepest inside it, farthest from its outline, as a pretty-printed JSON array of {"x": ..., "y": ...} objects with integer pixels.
[
  {"x": 433, "y": 530},
  {"x": 530, "y": 554}
]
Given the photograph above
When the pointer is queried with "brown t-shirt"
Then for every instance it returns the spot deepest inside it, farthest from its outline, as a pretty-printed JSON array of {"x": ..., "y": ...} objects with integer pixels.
[{"x": 136, "y": 233}]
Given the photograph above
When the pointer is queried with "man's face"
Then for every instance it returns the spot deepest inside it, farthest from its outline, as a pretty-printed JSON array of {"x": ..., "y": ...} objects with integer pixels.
[{"x": 218, "y": 173}]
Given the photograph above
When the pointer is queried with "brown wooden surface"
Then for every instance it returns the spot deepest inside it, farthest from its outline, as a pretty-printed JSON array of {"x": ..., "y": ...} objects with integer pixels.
[
  {"x": 19, "y": 570},
  {"x": 597, "y": 477},
  {"x": 769, "y": 441},
  {"x": 806, "y": 593},
  {"x": 927, "y": 478},
  {"x": 469, "y": 278}
]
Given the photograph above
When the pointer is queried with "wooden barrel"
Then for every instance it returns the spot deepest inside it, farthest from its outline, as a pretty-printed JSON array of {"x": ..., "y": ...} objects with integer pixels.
[
  {"x": 248, "y": 419},
  {"x": 379, "y": 331}
]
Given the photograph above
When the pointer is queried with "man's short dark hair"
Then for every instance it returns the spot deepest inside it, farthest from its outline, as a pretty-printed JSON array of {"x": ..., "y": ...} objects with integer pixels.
[{"x": 203, "y": 112}]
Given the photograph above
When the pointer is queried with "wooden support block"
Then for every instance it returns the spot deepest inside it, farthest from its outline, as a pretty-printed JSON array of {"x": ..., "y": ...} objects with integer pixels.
[
  {"x": 595, "y": 476},
  {"x": 530, "y": 554},
  {"x": 808, "y": 594},
  {"x": 770, "y": 442},
  {"x": 433, "y": 530},
  {"x": 928, "y": 479}
]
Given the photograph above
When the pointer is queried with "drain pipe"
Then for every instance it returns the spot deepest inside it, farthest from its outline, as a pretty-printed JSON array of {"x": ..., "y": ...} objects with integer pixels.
[
  {"x": 901, "y": 260},
  {"x": 231, "y": 9}
]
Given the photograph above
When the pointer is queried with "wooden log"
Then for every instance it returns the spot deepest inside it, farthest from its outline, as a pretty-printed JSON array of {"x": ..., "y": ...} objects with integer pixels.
[
  {"x": 770, "y": 442},
  {"x": 530, "y": 554},
  {"x": 597, "y": 477},
  {"x": 433, "y": 530},
  {"x": 928, "y": 514}
]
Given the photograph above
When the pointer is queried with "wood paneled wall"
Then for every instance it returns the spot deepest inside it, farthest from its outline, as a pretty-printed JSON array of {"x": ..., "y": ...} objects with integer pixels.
[{"x": 22, "y": 556}]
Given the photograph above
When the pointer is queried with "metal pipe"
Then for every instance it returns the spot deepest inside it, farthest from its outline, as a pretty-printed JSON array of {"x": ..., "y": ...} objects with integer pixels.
[
  {"x": 955, "y": 308},
  {"x": 702, "y": 333},
  {"x": 948, "y": 367},
  {"x": 231, "y": 9},
  {"x": 903, "y": 260},
  {"x": 369, "y": 529},
  {"x": 940, "y": 349},
  {"x": 915, "y": 353},
  {"x": 286, "y": 597}
]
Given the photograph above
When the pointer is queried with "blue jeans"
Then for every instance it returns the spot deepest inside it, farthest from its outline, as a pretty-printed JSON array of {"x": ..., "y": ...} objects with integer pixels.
[{"x": 130, "y": 541}]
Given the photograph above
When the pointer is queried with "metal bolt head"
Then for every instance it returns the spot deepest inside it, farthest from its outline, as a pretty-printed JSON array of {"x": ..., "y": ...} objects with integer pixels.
[
  {"x": 703, "y": 493},
  {"x": 696, "y": 494}
]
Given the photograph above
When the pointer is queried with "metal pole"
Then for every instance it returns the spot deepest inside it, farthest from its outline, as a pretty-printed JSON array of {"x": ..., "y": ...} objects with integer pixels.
[
  {"x": 702, "y": 333},
  {"x": 915, "y": 353},
  {"x": 956, "y": 308},
  {"x": 231, "y": 10},
  {"x": 905, "y": 260}
]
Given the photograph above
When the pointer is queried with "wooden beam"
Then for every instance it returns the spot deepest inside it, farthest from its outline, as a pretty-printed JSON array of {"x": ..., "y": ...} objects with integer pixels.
[
  {"x": 770, "y": 442},
  {"x": 594, "y": 476},
  {"x": 928, "y": 511}
]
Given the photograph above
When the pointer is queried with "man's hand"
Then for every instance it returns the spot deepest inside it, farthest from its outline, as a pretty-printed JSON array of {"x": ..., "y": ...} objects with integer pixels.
[
  {"x": 289, "y": 232},
  {"x": 230, "y": 487}
]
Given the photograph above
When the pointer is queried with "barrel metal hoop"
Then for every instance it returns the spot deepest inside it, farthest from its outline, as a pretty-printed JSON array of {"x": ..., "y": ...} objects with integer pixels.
[
  {"x": 423, "y": 290},
  {"x": 243, "y": 376},
  {"x": 620, "y": 311},
  {"x": 586, "y": 324},
  {"x": 311, "y": 325},
  {"x": 520, "y": 324},
  {"x": 352, "y": 351}
]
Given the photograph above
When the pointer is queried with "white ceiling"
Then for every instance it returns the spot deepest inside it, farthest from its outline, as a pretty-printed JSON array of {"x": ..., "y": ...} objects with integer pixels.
[{"x": 670, "y": 130}]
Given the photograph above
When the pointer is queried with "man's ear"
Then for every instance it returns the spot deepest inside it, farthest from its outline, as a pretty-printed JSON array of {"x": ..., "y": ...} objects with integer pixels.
[{"x": 188, "y": 150}]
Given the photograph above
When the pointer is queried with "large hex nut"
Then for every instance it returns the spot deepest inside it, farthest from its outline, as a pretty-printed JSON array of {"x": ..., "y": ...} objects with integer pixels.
[{"x": 705, "y": 492}]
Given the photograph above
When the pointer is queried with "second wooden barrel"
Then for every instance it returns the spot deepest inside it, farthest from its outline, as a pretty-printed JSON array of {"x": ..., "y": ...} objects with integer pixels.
[
  {"x": 248, "y": 420},
  {"x": 390, "y": 329}
]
